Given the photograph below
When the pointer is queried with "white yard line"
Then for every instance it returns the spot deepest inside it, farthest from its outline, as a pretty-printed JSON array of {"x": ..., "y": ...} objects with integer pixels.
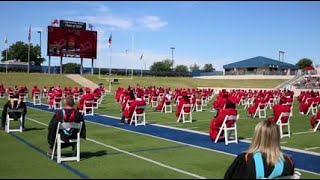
[
  {"x": 311, "y": 148},
  {"x": 304, "y": 132}
]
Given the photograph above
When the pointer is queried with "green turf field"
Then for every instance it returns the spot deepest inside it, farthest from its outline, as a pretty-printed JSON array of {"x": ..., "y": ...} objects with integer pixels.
[{"x": 109, "y": 152}]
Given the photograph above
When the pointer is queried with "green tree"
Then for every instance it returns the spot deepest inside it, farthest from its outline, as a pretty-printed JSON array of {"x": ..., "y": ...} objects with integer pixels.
[
  {"x": 164, "y": 65},
  {"x": 208, "y": 68},
  {"x": 71, "y": 68},
  {"x": 19, "y": 51},
  {"x": 304, "y": 62},
  {"x": 181, "y": 68},
  {"x": 194, "y": 67}
]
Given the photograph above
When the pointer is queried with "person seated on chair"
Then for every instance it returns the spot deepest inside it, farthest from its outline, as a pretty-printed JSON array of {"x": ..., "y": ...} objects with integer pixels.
[
  {"x": 264, "y": 158},
  {"x": 128, "y": 112},
  {"x": 67, "y": 114},
  {"x": 14, "y": 103},
  {"x": 2, "y": 89},
  {"x": 216, "y": 123},
  {"x": 166, "y": 98},
  {"x": 304, "y": 105},
  {"x": 184, "y": 100},
  {"x": 282, "y": 107},
  {"x": 34, "y": 90},
  {"x": 86, "y": 97},
  {"x": 313, "y": 119},
  {"x": 252, "y": 109}
]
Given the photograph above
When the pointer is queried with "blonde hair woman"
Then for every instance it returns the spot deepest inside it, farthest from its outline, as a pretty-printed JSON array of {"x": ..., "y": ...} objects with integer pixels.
[{"x": 264, "y": 158}]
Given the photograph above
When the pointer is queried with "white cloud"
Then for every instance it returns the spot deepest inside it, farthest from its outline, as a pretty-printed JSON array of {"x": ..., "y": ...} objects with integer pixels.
[
  {"x": 108, "y": 20},
  {"x": 102, "y": 8},
  {"x": 153, "y": 22}
]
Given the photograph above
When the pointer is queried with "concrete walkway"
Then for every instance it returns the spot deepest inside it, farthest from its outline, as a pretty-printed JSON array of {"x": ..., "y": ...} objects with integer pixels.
[{"x": 82, "y": 81}]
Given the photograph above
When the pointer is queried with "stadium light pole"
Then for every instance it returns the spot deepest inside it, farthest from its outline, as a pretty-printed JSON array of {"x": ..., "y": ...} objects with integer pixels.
[
  {"x": 40, "y": 42},
  {"x": 172, "y": 48}
]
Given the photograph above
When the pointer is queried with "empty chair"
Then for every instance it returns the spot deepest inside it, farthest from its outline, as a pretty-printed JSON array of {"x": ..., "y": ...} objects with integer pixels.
[
  {"x": 282, "y": 125},
  {"x": 198, "y": 105},
  {"x": 37, "y": 98}
]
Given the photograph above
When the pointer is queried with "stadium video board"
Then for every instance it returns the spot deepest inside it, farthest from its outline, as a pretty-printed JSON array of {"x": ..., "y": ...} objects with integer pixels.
[{"x": 76, "y": 43}]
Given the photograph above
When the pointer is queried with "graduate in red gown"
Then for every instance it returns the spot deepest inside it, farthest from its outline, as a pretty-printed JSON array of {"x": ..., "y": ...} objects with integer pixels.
[
  {"x": 278, "y": 109},
  {"x": 216, "y": 123}
]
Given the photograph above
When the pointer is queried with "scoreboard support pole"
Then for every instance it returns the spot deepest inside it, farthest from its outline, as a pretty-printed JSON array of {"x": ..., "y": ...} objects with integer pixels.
[
  {"x": 49, "y": 71},
  {"x": 81, "y": 66},
  {"x": 60, "y": 64},
  {"x": 92, "y": 66}
]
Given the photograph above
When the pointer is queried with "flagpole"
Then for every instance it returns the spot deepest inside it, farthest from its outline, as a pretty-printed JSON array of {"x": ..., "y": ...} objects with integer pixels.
[
  {"x": 6, "y": 59},
  {"x": 131, "y": 53},
  {"x": 29, "y": 58},
  {"x": 110, "y": 61}
]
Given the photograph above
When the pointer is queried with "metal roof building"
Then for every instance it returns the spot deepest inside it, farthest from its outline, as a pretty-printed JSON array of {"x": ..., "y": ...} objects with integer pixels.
[{"x": 260, "y": 65}]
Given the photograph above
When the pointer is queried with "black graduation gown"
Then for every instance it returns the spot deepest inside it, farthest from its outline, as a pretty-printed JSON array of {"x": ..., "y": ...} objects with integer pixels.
[
  {"x": 242, "y": 169},
  {"x": 58, "y": 117}
]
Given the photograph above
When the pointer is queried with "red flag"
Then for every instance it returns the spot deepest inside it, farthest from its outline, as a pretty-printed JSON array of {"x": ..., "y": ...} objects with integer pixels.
[
  {"x": 55, "y": 22},
  {"x": 29, "y": 35},
  {"x": 110, "y": 40}
]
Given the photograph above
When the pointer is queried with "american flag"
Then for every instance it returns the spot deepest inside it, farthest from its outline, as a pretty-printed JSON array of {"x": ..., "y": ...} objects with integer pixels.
[
  {"x": 54, "y": 22},
  {"x": 110, "y": 40},
  {"x": 90, "y": 26},
  {"x": 5, "y": 40}
]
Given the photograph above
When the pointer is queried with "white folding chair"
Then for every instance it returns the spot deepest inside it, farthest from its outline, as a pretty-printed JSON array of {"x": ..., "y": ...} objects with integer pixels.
[
  {"x": 139, "y": 118},
  {"x": 270, "y": 103},
  {"x": 95, "y": 102},
  {"x": 2, "y": 94},
  {"x": 9, "y": 119},
  {"x": 184, "y": 114},
  {"x": 296, "y": 175},
  {"x": 282, "y": 125},
  {"x": 76, "y": 97},
  {"x": 57, "y": 102},
  {"x": 154, "y": 101},
  {"x": 23, "y": 97},
  {"x": 167, "y": 107},
  {"x": 227, "y": 134},
  {"x": 317, "y": 125},
  {"x": 198, "y": 105},
  {"x": 37, "y": 98},
  {"x": 58, "y": 142},
  {"x": 88, "y": 108},
  {"x": 312, "y": 108},
  {"x": 45, "y": 94},
  {"x": 249, "y": 102},
  {"x": 147, "y": 99},
  {"x": 261, "y": 111},
  {"x": 204, "y": 101}
]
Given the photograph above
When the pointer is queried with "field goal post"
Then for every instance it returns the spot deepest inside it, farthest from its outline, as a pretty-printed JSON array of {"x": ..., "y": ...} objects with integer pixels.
[{"x": 110, "y": 79}]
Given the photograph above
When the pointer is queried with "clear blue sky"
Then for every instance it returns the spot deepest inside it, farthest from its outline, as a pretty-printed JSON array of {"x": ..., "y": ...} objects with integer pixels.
[{"x": 202, "y": 32}]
